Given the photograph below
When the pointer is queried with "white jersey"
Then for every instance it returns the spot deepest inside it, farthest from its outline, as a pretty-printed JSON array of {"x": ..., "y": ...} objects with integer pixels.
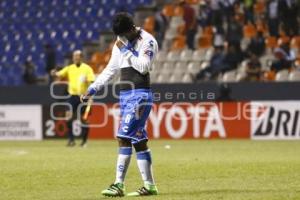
[{"x": 145, "y": 50}]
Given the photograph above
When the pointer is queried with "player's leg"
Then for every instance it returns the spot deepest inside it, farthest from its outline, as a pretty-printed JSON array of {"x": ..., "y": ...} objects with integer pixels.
[
  {"x": 84, "y": 128},
  {"x": 124, "y": 156},
  {"x": 143, "y": 153},
  {"x": 123, "y": 161},
  {"x": 70, "y": 116},
  {"x": 84, "y": 133},
  {"x": 144, "y": 162},
  {"x": 71, "y": 140}
]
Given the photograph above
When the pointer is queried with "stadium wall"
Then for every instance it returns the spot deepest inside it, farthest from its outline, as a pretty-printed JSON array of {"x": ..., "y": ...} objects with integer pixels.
[{"x": 183, "y": 111}]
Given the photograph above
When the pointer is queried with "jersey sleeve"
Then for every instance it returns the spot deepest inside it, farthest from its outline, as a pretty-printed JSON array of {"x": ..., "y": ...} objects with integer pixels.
[
  {"x": 63, "y": 72},
  {"x": 142, "y": 60},
  {"x": 90, "y": 75},
  {"x": 110, "y": 70}
]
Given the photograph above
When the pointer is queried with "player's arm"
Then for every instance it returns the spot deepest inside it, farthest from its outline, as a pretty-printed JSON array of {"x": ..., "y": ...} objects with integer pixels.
[
  {"x": 105, "y": 76},
  {"x": 61, "y": 73},
  {"x": 140, "y": 61}
]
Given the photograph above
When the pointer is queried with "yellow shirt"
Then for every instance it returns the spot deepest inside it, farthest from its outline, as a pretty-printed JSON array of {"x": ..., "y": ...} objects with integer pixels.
[{"x": 78, "y": 78}]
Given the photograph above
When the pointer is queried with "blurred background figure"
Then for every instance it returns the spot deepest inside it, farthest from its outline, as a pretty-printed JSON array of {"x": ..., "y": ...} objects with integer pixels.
[
  {"x": 160, "y": 27},
  {"x": 215, "y": 66},
  {"x": 289, "y": 12},
  {"x": 272, "y": 14},
  {"x": 79, "y": 76},
  {"x": 50, "y": 58},
  {"x": 284, "y": 58},
  {"x": 189, "y": 17},
  {"x": 253, "y": 70},
  {"x": 29, "y": 75}
]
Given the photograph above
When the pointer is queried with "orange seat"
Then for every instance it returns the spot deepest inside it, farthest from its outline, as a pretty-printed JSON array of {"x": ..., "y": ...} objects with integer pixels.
[
  {"x": 261, "y": 26},
  {"x": 181, "y": 29},
  {"x": 168, "y": 10},
  {"x": 205, "y": 42},
  {"x": 269, "y": 76},
  {"x": 179, "y": 43},
  {"x": 283, "y": 40},
  {"x": 249, "y": 31},
  {"x": 97, "y": 58},
  {"x": 192, "y": 1},
  {"x": 178, "y": 11},
  {"x": 259, "y": 7},
  {"x": 271, "y": 42},
  {"x": 149, "y": 24},
  {"x": 208, "y": 31},
  {"x": 295, "y": 42}
]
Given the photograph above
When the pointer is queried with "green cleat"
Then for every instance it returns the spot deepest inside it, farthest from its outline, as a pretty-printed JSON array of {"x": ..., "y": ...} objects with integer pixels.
[
  {"x": 114, "y": 190},
  {"x": 147, "y": 190}
]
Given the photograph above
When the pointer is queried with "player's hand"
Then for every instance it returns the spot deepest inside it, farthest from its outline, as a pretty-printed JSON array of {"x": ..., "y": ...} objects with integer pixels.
[
  {"x": 120, "y": 44},
  {"x": 85, "y": 98},
  {"x": 53, "y": 72},
  {"x": 90, "y": 92}
]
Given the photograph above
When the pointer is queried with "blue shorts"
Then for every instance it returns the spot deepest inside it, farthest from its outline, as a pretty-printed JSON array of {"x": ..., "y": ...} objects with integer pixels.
[{"x": 135, "y": 106}]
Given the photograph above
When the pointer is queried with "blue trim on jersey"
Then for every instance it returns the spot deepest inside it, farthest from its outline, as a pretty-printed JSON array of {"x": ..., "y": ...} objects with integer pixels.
[
  {"x": 125, "y": 150},
  {"x": 145, "y": 155},
  {"x": 125, "y": 92},
  {"x": 92, "y": 91}
]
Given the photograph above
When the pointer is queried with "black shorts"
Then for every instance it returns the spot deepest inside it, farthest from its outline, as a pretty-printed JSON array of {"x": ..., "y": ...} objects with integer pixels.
[{"x": 74, "y": 102}]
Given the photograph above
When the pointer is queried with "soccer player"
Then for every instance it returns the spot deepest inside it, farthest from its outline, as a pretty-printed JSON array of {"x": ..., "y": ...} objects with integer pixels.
[
  {"x": 79, "y": 76},
  {"x": 133, "y": 54}
]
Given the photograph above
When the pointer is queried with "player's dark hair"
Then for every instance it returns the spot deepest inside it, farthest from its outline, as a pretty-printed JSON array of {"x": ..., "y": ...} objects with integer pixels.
[{"x": 122, "y": 23}]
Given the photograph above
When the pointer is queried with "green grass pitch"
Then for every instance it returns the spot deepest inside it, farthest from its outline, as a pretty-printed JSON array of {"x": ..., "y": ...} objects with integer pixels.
[{"x": 189, "y": 169}]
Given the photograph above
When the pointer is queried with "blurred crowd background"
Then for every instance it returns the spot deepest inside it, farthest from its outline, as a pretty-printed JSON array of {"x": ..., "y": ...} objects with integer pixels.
[{"x": 199, "y": 40}]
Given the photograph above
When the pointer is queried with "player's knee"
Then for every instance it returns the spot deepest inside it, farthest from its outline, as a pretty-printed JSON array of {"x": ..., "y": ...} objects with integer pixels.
[
  {"x": 124, "y": 142},
  {"x": 141, "y": 146}
]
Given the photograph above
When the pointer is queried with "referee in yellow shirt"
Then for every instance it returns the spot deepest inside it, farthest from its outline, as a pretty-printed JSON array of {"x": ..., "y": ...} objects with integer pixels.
[{"x": 79, "y": 76}]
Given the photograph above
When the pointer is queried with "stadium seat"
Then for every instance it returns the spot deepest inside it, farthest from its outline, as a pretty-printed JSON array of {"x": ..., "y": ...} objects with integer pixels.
[
  {"x": 173, "y": 56},
  {"x": 178, "y": 43},
  {"x": 176, "y": 78},
  {"x": 193, "y": 1},
  {"x": 171, "y": 33},
  {"x": 271, "y": 42},
  {"x": 163, "y": 78},
  {"x": 194, "y": 67},
  {"x": 36, "y": 22},
  {"x": 294, "y": 76},
  {"x": 149, "y": 24},
  {"x": 187, "y": 78},
  {"x": 176, "y": 21},
  {"x": 161, "y": 56},
  {"x": 204, "y": 42},
  {"x": 295, "y": 42},
  {"x": 153, "y": 77},
  {"x": 168, "y": 10},
  {"x": 180, "y": 67},
  {"x": 178, "y": 11},
  {"x": 240, "y": 76},
  {"x": 259, "y": 7},
  {"x": 209, "y": 53},
  {"x": 168, "y": 68},
  {"x": 282, "y": 75},
  {"x": 249, "y": 31},
  {"x": 229, "y": 76},
  {"x": 266, "y": 62},
  {"x": 199, "y": 55},
  {"x": 186, "y": 55}
]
